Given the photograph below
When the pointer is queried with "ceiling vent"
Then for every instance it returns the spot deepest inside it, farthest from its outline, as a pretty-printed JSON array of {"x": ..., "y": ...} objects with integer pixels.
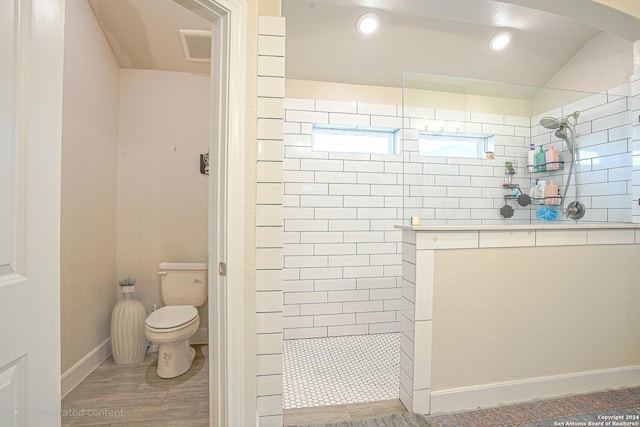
[{"x": 196, "y": 45}]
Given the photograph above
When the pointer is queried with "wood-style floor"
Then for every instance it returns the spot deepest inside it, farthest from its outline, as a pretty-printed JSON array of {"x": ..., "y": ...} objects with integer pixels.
[{"x": 133, "y": 395}]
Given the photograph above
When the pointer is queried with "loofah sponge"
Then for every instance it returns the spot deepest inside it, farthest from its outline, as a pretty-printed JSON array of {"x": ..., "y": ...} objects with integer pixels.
[{"x": 546, "y": 214}]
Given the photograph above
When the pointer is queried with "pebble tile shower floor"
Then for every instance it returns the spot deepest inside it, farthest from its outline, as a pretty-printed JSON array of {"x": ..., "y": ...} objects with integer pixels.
[{"x": 341, "y": 370}]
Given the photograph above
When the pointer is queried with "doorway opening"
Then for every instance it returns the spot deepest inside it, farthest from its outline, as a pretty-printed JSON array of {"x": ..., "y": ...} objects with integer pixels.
[{"x": 223, "y": 212}]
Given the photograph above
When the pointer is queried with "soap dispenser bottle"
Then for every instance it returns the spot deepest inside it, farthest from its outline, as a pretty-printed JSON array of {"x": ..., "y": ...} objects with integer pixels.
[{"x": 540, "y": 160}]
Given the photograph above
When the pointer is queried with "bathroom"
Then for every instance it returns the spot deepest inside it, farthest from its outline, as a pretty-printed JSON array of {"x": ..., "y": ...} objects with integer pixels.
[
  {"x": 139, "y": 200},
  {"x": 134, "y": 228}
]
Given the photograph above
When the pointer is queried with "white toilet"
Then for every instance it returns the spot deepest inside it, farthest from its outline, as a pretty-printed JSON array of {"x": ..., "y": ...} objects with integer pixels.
[{"x": 184, "y": 287}]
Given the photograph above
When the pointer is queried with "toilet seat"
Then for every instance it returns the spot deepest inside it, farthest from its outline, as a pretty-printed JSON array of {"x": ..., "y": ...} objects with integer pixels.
[
  {"x": 170, "y": 327},
  {"x": 172, "y": 317}
]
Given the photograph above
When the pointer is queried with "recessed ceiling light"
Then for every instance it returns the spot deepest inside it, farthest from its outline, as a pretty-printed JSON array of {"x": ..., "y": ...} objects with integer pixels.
[
  {"x": 500, "y": 40},
  {"x": 368, "y": 23}
]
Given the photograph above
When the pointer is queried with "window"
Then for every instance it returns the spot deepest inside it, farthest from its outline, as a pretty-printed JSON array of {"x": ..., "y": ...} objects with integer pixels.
[
  {"x": 455, "y": 145},
  {"x": 355, "y": 139}
]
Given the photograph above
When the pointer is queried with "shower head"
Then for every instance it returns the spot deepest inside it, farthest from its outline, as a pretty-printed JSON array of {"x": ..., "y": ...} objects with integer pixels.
[
  {"x": 561, "y": 132},
  {"x": 565, "y": 135},
  {"x": 550, "y": 123}
]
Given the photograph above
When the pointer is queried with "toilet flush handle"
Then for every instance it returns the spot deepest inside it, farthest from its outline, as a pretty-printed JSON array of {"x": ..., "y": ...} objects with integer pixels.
[{"x": 162, "y": 273}]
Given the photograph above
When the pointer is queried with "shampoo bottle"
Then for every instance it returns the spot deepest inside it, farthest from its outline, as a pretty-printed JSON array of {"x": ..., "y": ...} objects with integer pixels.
[
  {"x": 540, "y": 189},
  {"x": 540, "y": 160},
  {"x": 533, "y": 190},
  {"x": 552, "y": 158},
  {"x": 551, "y": 194},
  {"x": 531, "y": 159}
]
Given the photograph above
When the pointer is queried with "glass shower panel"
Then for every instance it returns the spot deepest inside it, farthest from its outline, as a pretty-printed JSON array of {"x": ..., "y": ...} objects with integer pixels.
[{"x": 485, "y": 186}]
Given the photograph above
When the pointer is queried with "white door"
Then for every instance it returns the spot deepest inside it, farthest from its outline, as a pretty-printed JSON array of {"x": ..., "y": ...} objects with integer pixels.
[{"x": 31, "y": 59}]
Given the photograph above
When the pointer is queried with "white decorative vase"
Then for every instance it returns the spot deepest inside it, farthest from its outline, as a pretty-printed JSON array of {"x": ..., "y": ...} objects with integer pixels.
[{"x": 128, "y": 341}]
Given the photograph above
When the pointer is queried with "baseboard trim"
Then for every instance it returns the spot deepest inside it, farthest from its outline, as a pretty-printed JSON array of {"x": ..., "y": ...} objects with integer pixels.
[
  {"x": 74, "y": 375},
  {"x": 535, "y": 388},
  {"x": 200, "y": 337}
]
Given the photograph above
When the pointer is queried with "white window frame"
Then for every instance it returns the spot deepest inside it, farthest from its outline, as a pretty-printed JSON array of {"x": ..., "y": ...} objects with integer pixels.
[
  {"x": 484, "y": 143},
  {"x": 390, "y": 134}
]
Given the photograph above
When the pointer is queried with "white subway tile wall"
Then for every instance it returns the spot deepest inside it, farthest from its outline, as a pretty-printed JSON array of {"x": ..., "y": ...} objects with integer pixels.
[
  {"x": 339, "y": 213},
  {"x": 342, "y": 255},
  {"x": 269, "y": 214},
  {"x": 635, "y": 146}
]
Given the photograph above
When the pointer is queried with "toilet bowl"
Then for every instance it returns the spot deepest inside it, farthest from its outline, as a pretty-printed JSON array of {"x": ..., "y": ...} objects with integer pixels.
[
  {"x": 171, "y": 327},
  {"x": 184, "y": 287}
]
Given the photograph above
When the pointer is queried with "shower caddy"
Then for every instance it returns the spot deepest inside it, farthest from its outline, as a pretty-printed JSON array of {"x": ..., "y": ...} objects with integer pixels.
[{"x": 524, "y": 199}]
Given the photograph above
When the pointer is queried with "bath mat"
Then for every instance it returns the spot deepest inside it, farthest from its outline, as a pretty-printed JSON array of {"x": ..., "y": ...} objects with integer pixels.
[{"x": 403, "y": 419}]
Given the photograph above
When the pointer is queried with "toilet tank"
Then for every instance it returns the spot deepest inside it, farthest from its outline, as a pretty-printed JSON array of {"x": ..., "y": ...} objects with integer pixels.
[{"x": 183, "y": 283}]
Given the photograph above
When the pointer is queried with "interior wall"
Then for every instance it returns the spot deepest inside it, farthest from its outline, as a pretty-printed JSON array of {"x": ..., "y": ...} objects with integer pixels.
[
  {"x": 555, "y": 316},
  {"x": 331, "y": 91},
  {"x": 89, "y": 184},
  {"x": 605, "y": 61},
  {"x": 162, "y": 196}
]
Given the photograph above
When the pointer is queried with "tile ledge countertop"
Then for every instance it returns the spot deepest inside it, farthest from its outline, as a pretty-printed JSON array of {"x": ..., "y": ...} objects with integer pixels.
[{"x": 479, "y": 227}]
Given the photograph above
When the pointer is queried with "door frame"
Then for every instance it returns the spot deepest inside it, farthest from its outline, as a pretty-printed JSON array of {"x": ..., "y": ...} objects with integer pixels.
[{"x": 226, "y": 208}]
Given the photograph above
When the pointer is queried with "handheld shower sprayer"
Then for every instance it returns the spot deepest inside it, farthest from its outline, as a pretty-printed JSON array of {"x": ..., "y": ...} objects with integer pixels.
[
  {"x": 562, "y": 134},
  {"x": 564, "y": 130}
]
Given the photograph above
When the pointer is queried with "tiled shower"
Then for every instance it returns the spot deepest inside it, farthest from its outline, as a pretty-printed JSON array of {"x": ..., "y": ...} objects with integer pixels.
[
  {"x": 342, "y": 261},
  {"x": 341, "y": 252},
  {"x": 342, "y": 255}
]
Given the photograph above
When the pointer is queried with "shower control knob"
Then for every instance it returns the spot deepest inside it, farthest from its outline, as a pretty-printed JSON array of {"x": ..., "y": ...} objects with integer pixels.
[{"x": 575, "y": 210}]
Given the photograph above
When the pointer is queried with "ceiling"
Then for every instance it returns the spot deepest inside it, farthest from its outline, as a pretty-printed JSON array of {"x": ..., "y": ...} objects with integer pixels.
[
  {"x": 143, "y": 34},
  {"x": 446, "y": 37}
]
